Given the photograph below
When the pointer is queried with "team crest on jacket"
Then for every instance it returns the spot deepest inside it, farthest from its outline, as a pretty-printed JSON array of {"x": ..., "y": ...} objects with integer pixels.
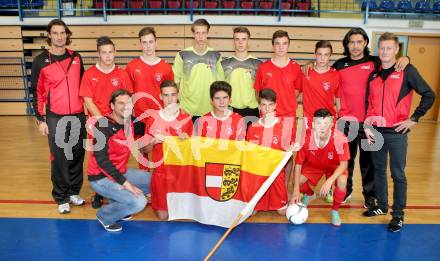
[
  {"x": 221, "y": 180},
  {"x": 115, "y": 82},
  {"x": 326, "y": 86},
  {"x": 158, "y": 77}
]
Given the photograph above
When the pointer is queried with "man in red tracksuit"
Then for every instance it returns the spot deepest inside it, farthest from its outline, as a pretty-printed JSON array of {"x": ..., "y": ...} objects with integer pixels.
[
  {"x": 387, "y": 122},
  {"x": 108, "y": 170},
  {"x": 56, "y": 77}
]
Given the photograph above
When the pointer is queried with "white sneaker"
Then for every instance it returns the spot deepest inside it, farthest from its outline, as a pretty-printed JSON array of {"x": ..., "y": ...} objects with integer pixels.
[
  {"x": 64, "y": 208},
  {"x": 77, "y": 200}
]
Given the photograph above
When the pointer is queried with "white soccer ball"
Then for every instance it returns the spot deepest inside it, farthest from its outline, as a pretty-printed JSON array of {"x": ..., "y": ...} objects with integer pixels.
[{"x": 297, "y": 213}]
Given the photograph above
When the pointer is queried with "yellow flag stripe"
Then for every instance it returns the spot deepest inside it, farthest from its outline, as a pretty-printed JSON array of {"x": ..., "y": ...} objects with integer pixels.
[{"x": 196, "y": 151}]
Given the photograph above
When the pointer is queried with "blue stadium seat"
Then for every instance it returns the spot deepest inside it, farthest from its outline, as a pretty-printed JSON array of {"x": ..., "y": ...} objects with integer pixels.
[
  {"x": 387, "y": 6},
  {"x": 372, "y": 5},
  {"x": 24, "y": 4},
  {"x": 404, "y": 6},
  {"x": 422, "y": 6},
  {"x": 436, "y": 7}
]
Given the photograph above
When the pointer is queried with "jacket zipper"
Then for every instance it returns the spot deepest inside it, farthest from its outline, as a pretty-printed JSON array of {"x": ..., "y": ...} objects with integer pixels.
[
  {"x": 68, "y": 93},
  {"x": 383, "y": 98}
]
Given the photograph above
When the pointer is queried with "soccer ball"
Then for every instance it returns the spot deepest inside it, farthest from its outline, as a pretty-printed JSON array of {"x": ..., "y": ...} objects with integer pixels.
[{"x": 297, "y": 213}]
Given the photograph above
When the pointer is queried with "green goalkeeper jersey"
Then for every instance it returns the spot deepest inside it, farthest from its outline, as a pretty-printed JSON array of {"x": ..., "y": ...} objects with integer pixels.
[
  {"x": 240, "y": 74},
  {"x": 194, "y": 73}
]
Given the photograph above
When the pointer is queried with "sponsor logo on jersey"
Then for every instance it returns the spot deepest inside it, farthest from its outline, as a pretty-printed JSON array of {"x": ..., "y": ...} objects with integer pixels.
[
  {"x": 94, "y": 79},
  {"x": 395, "y": 76},
  {"x": 75, "y": 62},
  {"x": 269, "y": 74},
  {"x": 137, "y": 70}
]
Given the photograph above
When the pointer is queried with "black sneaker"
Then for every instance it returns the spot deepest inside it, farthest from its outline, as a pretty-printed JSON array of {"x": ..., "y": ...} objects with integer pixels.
[
  {"x": 375, "y": 211},
  {"x": 370, "y": 203},
  {"x": 110, "y": 228},
  {"x": 395, "y": 224},
  {"x": 97, "y": 201},
  {"x": 126, "y": 218}
]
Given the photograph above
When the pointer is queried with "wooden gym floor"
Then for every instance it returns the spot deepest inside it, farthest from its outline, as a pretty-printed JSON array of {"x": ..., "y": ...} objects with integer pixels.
[{"x": 25, "y": 187}]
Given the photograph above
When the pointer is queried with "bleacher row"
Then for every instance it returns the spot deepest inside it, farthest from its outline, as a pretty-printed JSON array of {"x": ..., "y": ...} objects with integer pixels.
[
  {"x": 19, "y": 45},
  {"x": 218, "y": 6},
  {"x": 207, "y": 4},
  {"x": 403, "y": 6}
]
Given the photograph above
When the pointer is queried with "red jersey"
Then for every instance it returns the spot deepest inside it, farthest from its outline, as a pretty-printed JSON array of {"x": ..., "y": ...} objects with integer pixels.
[
  {"x": 326, "y": 159},
  {"x": 285, "y": 81},
  {"x": 147, "y": 78},
  {"x": 319, "y": 91},
  {"x": 231, "y": 128},
  {"x": 354, "y": 77},
  {"x": 157, "y": 124},
  {"x": 276, "y": 136},
  {"x": 99, "y": 85}
]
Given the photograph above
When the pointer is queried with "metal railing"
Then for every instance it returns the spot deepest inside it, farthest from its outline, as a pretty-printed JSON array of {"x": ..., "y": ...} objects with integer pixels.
[
  {"x": 278, "y": 8},
  {"x": 12, "y": 73}
]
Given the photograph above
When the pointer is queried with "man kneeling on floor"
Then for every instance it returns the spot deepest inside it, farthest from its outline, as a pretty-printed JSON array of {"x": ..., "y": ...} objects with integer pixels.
[
  {"x": 107, "y": 168},
  {"x": 325, "y": 152}
]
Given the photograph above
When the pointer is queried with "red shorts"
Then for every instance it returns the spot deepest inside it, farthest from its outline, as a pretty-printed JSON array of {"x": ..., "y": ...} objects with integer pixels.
[
  {"x": 159, "y": 191},
  {"x": 276, "y": 196},
  {"x": 314, "y": 175}
]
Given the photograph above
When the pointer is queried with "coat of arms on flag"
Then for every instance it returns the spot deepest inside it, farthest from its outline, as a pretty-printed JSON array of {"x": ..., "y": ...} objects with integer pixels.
[{"x": 221, "y": 180}]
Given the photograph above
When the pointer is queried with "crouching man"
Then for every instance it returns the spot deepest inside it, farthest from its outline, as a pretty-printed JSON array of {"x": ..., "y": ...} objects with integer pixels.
[{"x": 107, "y": 168}]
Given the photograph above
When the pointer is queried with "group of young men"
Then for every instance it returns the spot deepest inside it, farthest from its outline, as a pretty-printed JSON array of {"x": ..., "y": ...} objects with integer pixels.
[{"x": 236, "y": 98}]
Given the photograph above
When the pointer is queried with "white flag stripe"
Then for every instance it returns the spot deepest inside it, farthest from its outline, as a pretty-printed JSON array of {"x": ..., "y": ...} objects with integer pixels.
[
  {"x": 213, "y": 181},
  {"x": 203, "y": 209}
]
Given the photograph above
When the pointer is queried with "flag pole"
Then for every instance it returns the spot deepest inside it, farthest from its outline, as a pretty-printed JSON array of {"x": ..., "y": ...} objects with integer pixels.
[
  {"x": 236, "y": 221},
  {"x": 250, "y": 206}
]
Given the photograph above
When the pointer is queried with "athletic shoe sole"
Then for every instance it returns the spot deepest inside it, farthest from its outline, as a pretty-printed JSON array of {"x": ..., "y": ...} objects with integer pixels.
[{"x": 107, "y": 227}]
